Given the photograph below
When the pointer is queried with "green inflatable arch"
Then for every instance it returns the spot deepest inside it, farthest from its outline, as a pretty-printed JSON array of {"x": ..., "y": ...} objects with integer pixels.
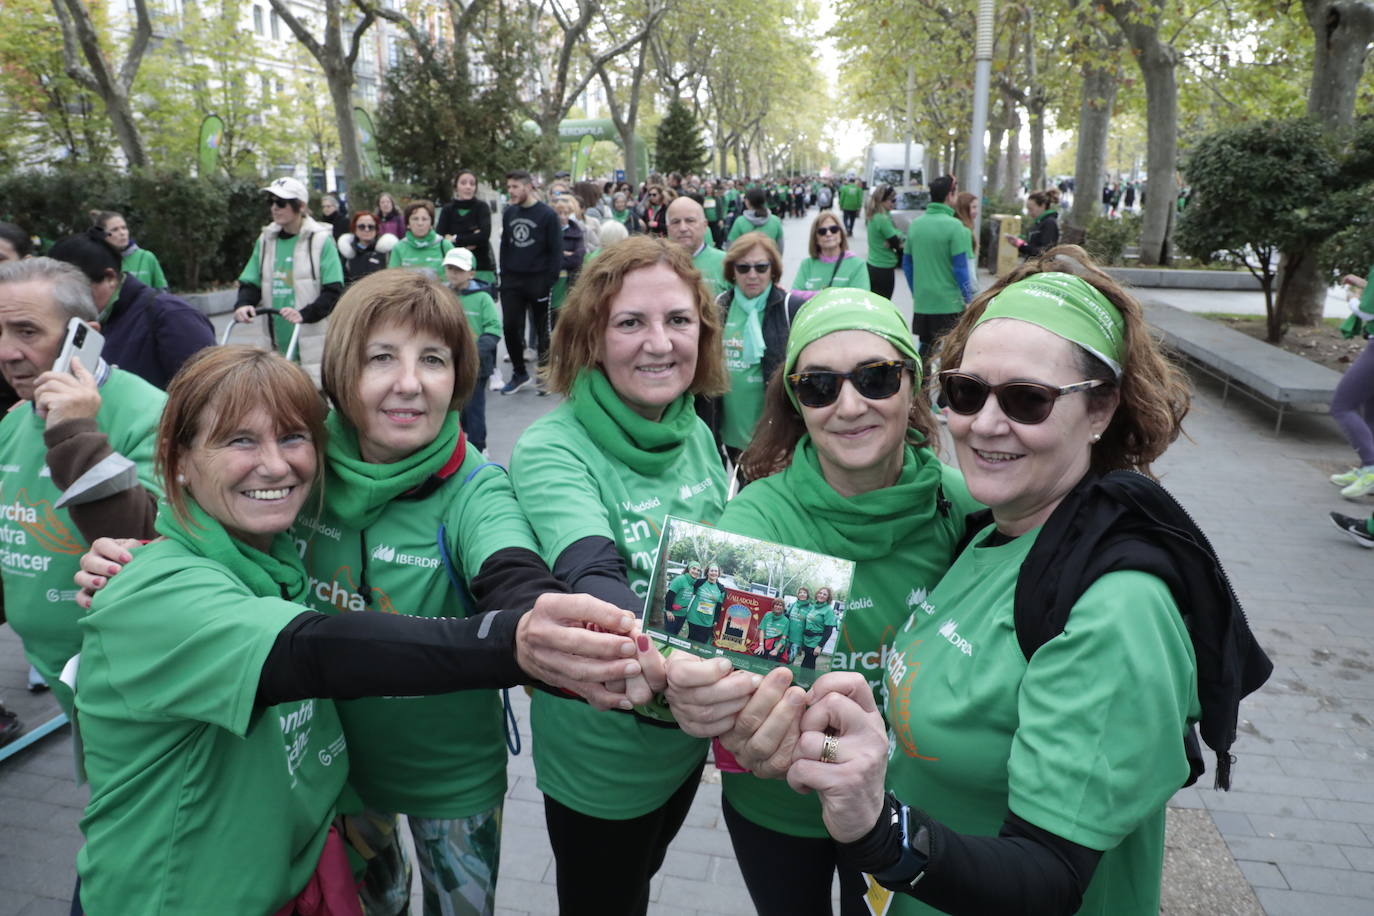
[{"x": 581, "y": 133}]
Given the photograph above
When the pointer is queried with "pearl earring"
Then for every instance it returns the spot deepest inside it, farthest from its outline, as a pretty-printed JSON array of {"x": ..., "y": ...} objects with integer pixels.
[
  {"x": 181, "y": 479},
  {"x": 1097, "y": 437}
]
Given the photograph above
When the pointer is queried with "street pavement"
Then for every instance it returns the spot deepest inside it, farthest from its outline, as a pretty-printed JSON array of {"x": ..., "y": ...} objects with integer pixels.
[{"x": 1295, "y": 837}]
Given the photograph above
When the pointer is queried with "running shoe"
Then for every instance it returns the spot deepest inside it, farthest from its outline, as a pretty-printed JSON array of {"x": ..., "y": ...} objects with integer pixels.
[
  {"x": 517, "y": 381},
  {"x": 1363, "y": 486},
  {"x": 1346, "y": 478},
  {"x": 1357, "y": 528},
  {"x": 10, "y": 726}
]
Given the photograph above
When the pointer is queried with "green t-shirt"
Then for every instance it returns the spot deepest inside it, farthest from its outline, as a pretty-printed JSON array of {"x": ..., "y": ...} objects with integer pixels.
[
  {"x": 851, "y": 197},
  {"x": 201, "y": 801},
  {"x": 681, "y": 589},
  {"x": 773, "y": 625},
  {"x": 708, "y": 601},
  {"x": 891, "y": 578},
  {"x": 40, "y": 546},
  {"x": 403, "y": 749},
  {"x": 932, "y": 240},
  {"x": 483, "y": 316},
  {"x": 608, "y": 764},
  {"x": 880, "y": 229},
  {"x": 818, "y": 617},
  {"x": 743, "y": 403},
  {"x": 425, "y": 255},
  {"x": 712, "y": 211},
  {"x": 282, "y": 294},
  {"x": 142, "y": 265},
  {"x": 1084, "y": 741},
  {"x": 730, "y": 197},
  {"x": 711, "y": 262},
  {"x": 814, "y": 274},
  {"x": 772, "y": 228}
]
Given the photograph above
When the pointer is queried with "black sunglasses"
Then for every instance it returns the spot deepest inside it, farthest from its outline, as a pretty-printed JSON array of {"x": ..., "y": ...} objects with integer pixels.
[
  {"x": 827, "y": 230},
  {"x": 1022, "y": 402},
  {"x": 366, "y": 226},
  {"x": 876, "y": 381},
  {"x": 761, "y": 267},
  {"x": 278, "y": 201}
]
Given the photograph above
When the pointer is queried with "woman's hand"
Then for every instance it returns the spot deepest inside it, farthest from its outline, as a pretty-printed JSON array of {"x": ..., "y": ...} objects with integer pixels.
[
  {"x": 554, "y": 644},
  {"x": 106, "y": 558},
  {"x": 245, "y": 313},
  {"x": 1354, "y": 280},
  {"x": 842, "y": 711},
  {"x": 653, "y": 677},
  {"x": 291, "y": 315},
  {"x": 706, "y": 693},
  {"x": 764, "y": 736}
]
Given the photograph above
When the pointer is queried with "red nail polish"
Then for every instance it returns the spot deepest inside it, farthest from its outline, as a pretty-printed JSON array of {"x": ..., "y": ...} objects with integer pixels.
[{"x": 643, "y": 642}]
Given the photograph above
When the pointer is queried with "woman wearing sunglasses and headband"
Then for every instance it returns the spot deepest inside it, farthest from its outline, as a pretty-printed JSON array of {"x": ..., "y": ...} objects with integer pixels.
[
  {"x": 831, "y": 262},
  {"x": 1038, "y": 697},
  {"x": 756, "y": 315},
  {"x": 841, "y": 465}
]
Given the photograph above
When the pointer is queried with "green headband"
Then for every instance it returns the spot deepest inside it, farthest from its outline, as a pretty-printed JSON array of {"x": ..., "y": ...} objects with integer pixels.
[
  {"x": 1068, "y": 307},
  {"x": 847, "y": 309}
]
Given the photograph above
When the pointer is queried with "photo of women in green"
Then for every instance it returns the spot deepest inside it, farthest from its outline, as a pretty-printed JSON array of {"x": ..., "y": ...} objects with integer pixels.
[
  {"x": 773, "y": 630},
  {"x": 817, "y": 626},
  {"x": 678, "y": 600},
  {"x": 710, "y": 595}
]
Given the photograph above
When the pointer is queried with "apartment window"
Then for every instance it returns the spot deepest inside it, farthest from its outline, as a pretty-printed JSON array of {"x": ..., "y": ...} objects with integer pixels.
[
  {"x": 257, "y": 19},
  {"x": 276, "y": 25}
]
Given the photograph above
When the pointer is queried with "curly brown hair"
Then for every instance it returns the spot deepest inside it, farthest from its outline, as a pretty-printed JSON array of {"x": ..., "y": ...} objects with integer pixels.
[{"x": 1153, "y": 392}]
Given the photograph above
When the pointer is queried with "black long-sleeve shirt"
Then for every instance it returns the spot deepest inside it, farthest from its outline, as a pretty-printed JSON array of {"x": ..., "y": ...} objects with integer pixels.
[{"x": 532, "y": 242}]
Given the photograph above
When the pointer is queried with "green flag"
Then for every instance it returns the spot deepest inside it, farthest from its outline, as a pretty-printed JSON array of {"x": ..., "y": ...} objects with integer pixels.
[{"x": 211, "y": 139}]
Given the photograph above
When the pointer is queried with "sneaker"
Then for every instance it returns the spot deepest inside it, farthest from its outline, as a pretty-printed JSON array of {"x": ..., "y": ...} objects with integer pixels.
[
  {"x": 10, "y": 726},
  {"x": 36, "y": 682},
  {"x": 517, "y": 381},
  {"x": 1357, "y": 528},
  {"x": 1346, "y": 478},
  {"x": 1363, "y": 486}
]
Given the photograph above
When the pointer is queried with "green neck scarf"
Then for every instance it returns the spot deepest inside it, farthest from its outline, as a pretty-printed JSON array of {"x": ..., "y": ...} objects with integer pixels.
[
  {"x": 621, "y": 216},
  {"x": 753, "y": 323},
  {"x": 869, "y": 525},
  {"x": 1045, "y": 215},
  {"x": 276, "y": 574},
  {"x": 646, "y": 447},
  {"x": 432, "y": 238},
  {"x": 357, "y": 491}
]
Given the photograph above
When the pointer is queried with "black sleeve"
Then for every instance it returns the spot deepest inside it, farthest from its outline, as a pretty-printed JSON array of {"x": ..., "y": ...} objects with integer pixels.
[
  {"x": 895, "y": 243},
  {"x": 513, "y": 578},
  {"x": 448, "y": 218},
  {"x": 323, "y": 304},
  {"x": 553, "y": 250},
  {"x": 481, "y": 234},
  {"x": 594, "y": 567},
  {"x": 1023, "y": 870},
  {"x": 365, "y": 654},
  {"x": 249, "y": 294}
]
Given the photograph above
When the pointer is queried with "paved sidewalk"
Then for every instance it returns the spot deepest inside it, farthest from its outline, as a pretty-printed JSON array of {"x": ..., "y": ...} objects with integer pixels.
[{"x": 1299, "y": 823}]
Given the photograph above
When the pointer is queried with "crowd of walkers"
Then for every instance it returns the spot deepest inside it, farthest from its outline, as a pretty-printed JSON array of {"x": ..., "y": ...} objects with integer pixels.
[{"x": 302, "y": 605}]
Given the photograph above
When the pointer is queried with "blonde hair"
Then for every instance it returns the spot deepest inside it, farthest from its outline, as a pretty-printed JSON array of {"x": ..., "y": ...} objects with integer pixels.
[{"x": 740, "y": 247}]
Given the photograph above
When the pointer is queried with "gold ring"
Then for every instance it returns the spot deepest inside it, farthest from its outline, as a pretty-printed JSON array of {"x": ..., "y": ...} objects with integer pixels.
[{"x": 830, "y": 749}]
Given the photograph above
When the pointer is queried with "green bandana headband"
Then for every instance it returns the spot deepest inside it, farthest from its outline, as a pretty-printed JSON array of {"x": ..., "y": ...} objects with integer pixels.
[
  {"x": 1068, "y": 307},
  {"x": 847, "y": 309}
]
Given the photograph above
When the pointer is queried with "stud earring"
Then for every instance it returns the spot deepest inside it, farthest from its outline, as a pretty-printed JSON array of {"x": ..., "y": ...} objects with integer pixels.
[{"x": 1097, "y": 437}]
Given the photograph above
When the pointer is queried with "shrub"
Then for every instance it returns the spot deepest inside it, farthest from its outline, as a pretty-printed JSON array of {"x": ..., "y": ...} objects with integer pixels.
[{"x": 1108, "y": 239}]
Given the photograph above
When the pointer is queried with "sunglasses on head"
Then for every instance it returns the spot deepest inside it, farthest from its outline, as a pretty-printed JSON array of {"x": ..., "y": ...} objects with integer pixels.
[
  {"x": 278, "y": 201},
  {"x": 1021, "y": 402},
  {"x": 761, "y": 267},
  {"x": 876, "y": 381},
  {"x": 827, "y": 230}
]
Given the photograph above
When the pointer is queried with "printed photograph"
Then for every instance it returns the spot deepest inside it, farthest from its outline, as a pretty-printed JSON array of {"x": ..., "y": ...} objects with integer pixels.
[{"x": 759, "y": 603}]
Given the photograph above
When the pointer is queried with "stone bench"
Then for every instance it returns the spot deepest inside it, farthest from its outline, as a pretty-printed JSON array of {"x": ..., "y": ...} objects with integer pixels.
[{"x": 1265, "y": 372}]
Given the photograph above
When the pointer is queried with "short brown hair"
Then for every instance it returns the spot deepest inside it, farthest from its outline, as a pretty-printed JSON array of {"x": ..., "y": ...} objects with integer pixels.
[
  {"x": 579, "y": 339},
  {"x": 1153, "y": 392},
  {"x": 813, "y": 244},
  {"x": 222, "y": 385},
  {"x": 405, "y": 297},
  {"x": 417, "y": 205},
  {"x": 743, "y": 244}
]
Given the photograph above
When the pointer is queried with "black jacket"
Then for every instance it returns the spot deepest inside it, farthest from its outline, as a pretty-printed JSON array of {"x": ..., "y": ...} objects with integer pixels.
[
  {"x": 532, "y": 243},
  {"x": 151, "y": 333},
  {"x": 469, "y": 230},
  {"x": 1042, "y": 236},
  {"x": 776, "y": 322}
]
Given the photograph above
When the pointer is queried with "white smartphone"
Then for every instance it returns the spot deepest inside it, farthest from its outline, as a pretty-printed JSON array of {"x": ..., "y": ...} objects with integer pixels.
[{"x": 82, "y": 341}]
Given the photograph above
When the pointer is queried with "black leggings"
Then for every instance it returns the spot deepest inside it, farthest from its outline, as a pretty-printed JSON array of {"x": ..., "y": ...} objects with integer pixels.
[
  {"x": 699, "y": 632},
  {"x": 790, "y": 875},
  {"x": 882, "y": 280},
  {"x": 604, "y": 866}
]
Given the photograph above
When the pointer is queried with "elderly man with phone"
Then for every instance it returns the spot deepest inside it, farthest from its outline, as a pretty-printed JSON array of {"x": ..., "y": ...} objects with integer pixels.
[{"x": 76, "y": 454}]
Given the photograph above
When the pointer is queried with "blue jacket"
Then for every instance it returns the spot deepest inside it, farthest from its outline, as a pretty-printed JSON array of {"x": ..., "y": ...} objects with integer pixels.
[{"x": 150, "y": 333}]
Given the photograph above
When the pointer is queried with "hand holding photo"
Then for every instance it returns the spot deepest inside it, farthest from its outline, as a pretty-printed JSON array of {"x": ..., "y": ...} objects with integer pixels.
[{"x": 758, "y": 603}]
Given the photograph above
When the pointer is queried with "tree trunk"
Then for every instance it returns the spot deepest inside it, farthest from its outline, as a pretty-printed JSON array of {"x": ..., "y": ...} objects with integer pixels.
[
  {"x": 1342, "y": 30},
  {"x": 80, "y": 40},
  {"x": 341, "y": 94},
  {"x": 992, "y": 180},
  {"x": 1094, "y": 123},
  {"x": 1011, "y": 178},
  {"x": 1036, "y": 117},
  {"x": 1157, "y": 61}
]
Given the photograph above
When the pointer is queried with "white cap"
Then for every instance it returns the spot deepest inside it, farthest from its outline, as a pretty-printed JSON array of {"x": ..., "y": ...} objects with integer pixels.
[
  {"x": 288, "y": 189},
  {"x": 460, "y": 258}
]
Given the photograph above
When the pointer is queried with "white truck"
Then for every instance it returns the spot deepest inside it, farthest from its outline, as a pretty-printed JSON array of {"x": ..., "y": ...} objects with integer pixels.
[{"x": 887, "y": 163}]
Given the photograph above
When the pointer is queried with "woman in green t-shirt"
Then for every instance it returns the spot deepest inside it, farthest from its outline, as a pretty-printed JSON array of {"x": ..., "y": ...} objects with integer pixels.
[
  {"x": 678, "y": 599},
  {"x": 831, "y": 263},
  {"x": 884, "y": 241},
  {"x": 1037, "y": 703},
  {"x": 211, "y": 741},
  {"x": 706, "y": 604},
  {"x": 842, "y": 467},
  {"x": 773, "y": 632},
  {"x": 139, "y": 263},
  {"x": 422, "y": 249},
  {"x": 756, "y": 218},
  {"x": 638, "y": 338}
]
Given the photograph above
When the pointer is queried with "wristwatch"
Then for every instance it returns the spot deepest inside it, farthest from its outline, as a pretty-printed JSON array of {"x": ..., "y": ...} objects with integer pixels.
[{"x": 910, "y": 867}]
